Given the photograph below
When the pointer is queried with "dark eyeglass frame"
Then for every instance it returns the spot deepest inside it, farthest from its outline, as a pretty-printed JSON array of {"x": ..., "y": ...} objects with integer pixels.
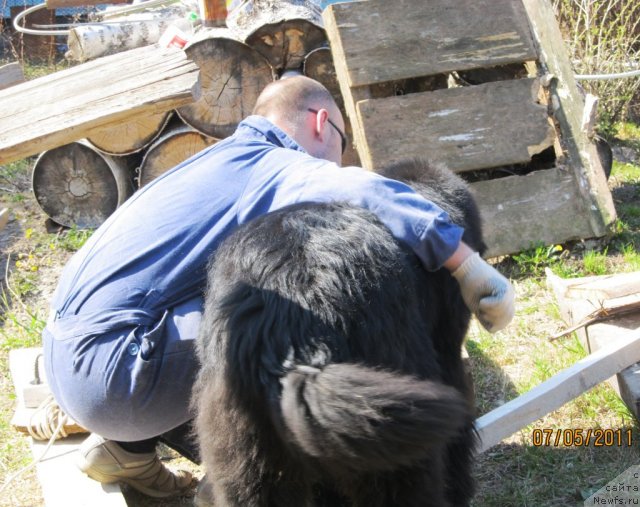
[{"x": 343, "y": 136}]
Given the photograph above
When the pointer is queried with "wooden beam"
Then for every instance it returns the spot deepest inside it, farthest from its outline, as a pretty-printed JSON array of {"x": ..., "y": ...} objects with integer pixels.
[
  {"x": 568, "y": 107},
  {"x": 102, "y": 92},
  {"x": 467, "y": 128},
  {"x": 558, "y": 390},
  {"x": 10, "y": 74}
]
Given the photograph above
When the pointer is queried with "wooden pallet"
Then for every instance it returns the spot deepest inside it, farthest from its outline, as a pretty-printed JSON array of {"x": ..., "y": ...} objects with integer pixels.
[{"x": 517, "y": 112}]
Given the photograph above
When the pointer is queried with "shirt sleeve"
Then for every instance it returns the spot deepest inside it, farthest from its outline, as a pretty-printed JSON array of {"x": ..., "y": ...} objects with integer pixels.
[{"x": 419, "y": 223}]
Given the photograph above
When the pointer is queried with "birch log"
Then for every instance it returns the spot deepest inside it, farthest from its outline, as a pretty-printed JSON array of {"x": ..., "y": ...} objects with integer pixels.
[
  {"x": 129, "y": 137},
  {"x": 283, "y": 31},
  {"x": 232, "y": 75},
  {"x": 173, "y": 147},
  {"x": 117, "y": 34},
  {"x": 76, "y": 185}
]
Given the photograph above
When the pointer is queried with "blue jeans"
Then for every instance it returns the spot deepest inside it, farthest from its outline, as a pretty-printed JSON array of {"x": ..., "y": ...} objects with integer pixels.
[{"x": 130, "y": 384}]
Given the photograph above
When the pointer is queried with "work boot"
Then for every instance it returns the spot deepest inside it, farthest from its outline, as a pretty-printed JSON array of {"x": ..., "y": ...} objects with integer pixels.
[{"x": 106, "y": 462}]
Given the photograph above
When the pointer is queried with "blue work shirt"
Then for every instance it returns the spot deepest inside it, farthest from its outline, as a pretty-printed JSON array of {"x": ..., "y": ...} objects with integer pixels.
[{"x": 152, "y": 253}]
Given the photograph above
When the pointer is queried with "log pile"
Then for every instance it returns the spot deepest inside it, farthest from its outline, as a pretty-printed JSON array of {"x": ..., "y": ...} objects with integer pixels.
[{"x": 75, "y": 179}]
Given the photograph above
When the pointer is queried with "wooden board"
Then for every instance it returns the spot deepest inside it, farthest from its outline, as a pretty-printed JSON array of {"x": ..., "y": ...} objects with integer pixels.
[
  {"x": 520, "y": 211},
  {"x": 10, "y": 74},
  {"x": 466, "y": 128},
  {"x": 105, "y": 91},
  {"x": 385, "y": 41},
  {"x": 558, "y": 390}
]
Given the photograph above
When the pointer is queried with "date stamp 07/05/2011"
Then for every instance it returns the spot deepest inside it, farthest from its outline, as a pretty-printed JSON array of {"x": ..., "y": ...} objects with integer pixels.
[{"x": 577, "y": 437}]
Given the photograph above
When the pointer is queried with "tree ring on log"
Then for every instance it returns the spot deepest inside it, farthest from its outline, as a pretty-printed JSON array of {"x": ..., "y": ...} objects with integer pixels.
[
  {"x": 76, "y": 185},
  {"x": 232, "y": 75},
  {"x": 172, "y": 148},
  {"x": 285, "y": 44}
]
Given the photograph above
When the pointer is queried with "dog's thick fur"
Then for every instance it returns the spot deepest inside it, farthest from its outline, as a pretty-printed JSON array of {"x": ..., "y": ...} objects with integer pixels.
[{"x": 331, "y": 370}]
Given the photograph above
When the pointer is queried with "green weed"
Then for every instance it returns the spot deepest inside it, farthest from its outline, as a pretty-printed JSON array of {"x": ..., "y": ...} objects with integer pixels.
[
  {"x": 72, "y": 239},
  {"x": 533, "y": 260},
  {"x": 595, "y": 263}
]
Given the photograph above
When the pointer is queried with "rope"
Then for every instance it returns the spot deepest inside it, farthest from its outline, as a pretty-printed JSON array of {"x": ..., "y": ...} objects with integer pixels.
[{"x": 47, "y": 421}]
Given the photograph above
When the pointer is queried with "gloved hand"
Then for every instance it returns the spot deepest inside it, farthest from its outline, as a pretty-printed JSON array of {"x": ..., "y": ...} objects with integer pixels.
[{"x": 487, "y": 293}]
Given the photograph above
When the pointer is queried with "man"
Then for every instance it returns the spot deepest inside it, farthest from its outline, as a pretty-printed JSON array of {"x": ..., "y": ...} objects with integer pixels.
[{"x": 119, "y": 343}]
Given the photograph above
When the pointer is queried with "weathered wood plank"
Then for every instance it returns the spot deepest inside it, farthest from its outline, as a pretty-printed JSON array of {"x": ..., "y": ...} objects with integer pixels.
[
  {"x": 386, "y": 41},
  {"x": 466, "y": 128},
  {"x": 520, "y": 211},
  {"x": 11, "y": 74},
  {"x": 140, "y": 82},
  {"x": 558, "y": 390},
  {"x": 568, "y": 107}
]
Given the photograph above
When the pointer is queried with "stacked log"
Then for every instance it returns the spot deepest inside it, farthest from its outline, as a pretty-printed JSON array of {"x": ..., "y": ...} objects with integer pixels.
[
  {"x": 176, "y": 145},
  {"x": 77, "y": 185},
  {"x": 232, "y": 75},
  {"x": 283, "y": 31},
  {"x": 129, "y": 137}
]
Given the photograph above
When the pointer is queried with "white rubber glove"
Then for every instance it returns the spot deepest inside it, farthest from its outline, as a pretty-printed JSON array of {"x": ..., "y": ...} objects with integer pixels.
[{"x": 487, "y": 293}]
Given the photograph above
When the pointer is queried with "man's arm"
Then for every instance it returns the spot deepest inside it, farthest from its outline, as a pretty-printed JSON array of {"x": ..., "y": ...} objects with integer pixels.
[{"x": 487, "y": 293}]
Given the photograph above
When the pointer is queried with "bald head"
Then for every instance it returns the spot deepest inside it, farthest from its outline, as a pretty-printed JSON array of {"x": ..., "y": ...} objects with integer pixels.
[
  {"x": 306, "y": 111},
  {"x": 288, "y": 99}
]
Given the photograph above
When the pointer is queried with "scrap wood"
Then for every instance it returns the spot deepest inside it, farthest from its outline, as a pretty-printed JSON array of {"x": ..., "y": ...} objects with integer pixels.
[{"x": 600, "y": 315}]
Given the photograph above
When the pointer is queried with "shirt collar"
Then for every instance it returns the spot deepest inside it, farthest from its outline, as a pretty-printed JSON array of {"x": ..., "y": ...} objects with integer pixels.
[{"x": 261, "y": 127}]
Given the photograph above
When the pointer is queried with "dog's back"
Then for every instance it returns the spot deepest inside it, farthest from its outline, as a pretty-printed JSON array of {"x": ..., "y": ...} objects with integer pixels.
[{"x": 320, "y": 368}]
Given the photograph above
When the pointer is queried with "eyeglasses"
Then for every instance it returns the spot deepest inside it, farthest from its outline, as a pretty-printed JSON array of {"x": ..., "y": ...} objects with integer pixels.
[{"x": 343, "y": 137}]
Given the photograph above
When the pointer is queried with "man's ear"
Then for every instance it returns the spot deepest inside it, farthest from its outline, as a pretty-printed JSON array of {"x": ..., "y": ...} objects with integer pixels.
[{"x": 321, "y": 122}]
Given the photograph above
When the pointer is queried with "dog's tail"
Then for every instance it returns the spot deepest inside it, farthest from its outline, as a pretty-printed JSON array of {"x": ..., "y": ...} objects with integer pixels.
[{"x": 368, "y": 419}]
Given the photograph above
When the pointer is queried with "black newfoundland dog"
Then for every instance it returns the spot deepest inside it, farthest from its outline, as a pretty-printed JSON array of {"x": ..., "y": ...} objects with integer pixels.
[{"x": 331, "y": 361}]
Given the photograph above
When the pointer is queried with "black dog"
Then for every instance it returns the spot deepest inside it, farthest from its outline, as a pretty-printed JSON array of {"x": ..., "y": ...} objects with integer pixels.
[{"x": 331, "y": 370}]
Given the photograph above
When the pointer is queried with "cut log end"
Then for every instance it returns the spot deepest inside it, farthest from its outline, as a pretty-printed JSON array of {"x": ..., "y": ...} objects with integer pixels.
[
  {"x": 77, "y": 186},
  {"x": 285, "y": 44},
  {"x": 172, "y": 148},
  {"x": 232, "y": 75}
]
